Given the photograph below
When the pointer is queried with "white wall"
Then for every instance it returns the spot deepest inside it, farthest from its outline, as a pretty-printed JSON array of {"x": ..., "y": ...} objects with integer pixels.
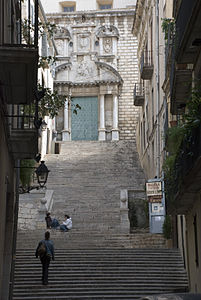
[{"x": 54, "y": 5}]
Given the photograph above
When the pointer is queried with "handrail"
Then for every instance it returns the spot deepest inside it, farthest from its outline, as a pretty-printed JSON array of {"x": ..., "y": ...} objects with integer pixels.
[
  {"x": 16, "y": 23},
  {"x": 138, "y": 89},
  {"x": 146, "y": 59}
]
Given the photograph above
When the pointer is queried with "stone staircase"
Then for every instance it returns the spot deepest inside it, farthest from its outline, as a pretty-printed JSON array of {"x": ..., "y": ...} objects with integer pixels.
[
  {"x": 83, "y": 240},
  {"x": 91, "y": 271},
  {"x": 96, "y": 259},
  {"x": 87, "y": 178}
]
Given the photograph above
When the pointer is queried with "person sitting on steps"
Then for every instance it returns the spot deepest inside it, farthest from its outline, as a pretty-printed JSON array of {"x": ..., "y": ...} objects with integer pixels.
[
  {"x": 67, "y": 224},
  {"x": 51, "y": 223}
]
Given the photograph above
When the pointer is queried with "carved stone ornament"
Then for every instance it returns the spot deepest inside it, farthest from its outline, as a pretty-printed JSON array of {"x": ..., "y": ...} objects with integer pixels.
[
  {"x": 60, "y": 46},
  {"x": 107, "y": 45},
  {"x": 63, "y": 33},
  {"x": 84, "y": 70},
  {"x": 107, "y": 30},
  {"x": 83, "y": 42}
]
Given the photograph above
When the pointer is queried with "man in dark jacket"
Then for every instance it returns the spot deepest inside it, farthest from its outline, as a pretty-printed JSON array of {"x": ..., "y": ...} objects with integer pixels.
[{"x": 45, "y": 256}]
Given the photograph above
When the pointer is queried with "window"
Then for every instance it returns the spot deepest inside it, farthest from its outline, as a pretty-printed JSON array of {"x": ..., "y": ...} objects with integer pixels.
[
  {"x": 105, "y": 6},
  {"x": 68, "y": 8}
]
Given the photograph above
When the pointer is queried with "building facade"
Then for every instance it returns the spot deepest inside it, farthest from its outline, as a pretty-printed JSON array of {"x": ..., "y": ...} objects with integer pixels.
[
  {"x": 168, "y": 93},
  {"x": 20, "y": 46},
  {"x": 182, "y": 87},
  {"x": 95, "y": 68},
  {"x": 148, "y": 92},
  {"x": 19, "y": 138}
]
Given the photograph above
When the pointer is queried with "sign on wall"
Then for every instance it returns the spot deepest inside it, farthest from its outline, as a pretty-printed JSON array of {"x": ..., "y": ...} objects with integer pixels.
[
  {"x": 156, "y": 199},
  {"x": 154, "y": 188}
]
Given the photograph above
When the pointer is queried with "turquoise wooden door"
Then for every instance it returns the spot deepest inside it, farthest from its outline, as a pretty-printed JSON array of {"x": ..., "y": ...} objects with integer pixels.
[{"x": 84, "y": 125}]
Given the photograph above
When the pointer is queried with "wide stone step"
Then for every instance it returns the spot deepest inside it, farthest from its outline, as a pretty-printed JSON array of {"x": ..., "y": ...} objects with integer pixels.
[{"x": 102, "y": 272}]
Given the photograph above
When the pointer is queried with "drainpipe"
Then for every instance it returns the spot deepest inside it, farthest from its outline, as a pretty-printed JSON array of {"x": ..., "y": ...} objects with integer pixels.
[{"x": 157, "y": 92}]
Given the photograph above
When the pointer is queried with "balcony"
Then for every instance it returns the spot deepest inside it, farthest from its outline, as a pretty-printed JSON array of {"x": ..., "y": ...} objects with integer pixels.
[
  {"x": 18, "y": 73},
  {"x": 138, "y": 94},
  {"x": 19, "y": 57},
  {"x": 146, "y": 65},
  {"x": 188, "y": 31},
  {"x": 23, "y": 135},
  {"x": 180, "y": 85},
  {"x": 187, "y": 174}
]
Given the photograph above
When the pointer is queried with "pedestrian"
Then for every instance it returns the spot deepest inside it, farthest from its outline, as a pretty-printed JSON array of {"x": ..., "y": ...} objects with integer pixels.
[
  {"x": 67, "y": 224},
  {"x": 51, "y": 223},
  {"x": 45, "y": 250},
  {"x": 48, "y": 220}
]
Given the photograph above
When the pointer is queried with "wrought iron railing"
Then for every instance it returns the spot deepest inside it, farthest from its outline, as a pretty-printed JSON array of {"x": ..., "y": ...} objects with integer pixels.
[
  {"x": 146, "y": 59},
  {"x": 23, "y": 28},
  {"x": 21, "y": 117},
  {"x": 138, "y": 90},
  {"x": 169, "y": 45}
]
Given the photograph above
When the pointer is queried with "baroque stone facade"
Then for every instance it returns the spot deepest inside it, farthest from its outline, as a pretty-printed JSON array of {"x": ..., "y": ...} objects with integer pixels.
[{"x": 97, "y": 58}]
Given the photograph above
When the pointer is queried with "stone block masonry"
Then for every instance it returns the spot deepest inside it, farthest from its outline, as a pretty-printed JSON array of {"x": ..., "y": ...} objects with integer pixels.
[{"x": 115, "y": 46}]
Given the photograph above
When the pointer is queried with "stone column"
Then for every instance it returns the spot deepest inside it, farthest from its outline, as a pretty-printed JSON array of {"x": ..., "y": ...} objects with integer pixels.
[
  {"x": 102, "y": 119},
  {"x": 65, "y": 47},
  {"x": 115, "y": 129},
  {"x": 124, "y": 220},
  {"x": 66, "y": 131},
  {"x": 101, "y": 46},
  {"x": 74, "y": 41},
  {"x": 43, "y": 139}
]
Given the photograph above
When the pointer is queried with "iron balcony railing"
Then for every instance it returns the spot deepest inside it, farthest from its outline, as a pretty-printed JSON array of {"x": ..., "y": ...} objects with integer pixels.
[
  {"x": 21, "y": 117},
  {"x": 23, "y": 28},
  {"x": 146, "y": 65},
  {"x": 146, "y": 59},
  {"x": 138, "y": 94},
  {"x": 138, "y": 90},
  {"x": 169, "y": 45}
]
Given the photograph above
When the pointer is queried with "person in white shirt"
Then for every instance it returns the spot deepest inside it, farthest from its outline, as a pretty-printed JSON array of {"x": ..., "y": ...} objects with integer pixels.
[{"x": 67, "y": 224}]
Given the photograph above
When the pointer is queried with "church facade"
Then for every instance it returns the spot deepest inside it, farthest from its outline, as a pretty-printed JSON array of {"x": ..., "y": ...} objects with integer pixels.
[{"x": 96, "y": 68}]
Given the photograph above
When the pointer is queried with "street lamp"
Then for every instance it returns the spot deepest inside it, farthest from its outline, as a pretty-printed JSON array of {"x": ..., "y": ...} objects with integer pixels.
[{"x": 42, "y": 174}]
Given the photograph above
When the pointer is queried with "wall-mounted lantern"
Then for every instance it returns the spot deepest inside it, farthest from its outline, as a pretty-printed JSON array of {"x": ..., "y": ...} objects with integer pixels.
[{"x": 42, "y": 174}]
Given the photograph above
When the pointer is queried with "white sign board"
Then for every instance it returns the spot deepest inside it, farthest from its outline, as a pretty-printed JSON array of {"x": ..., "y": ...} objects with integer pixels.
[{"x": 154, "y": 188}]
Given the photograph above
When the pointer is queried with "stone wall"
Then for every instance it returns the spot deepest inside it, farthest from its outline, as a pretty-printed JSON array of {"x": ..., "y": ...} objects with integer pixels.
[
  {"x": 128, "y": 69},
  {"x": 122, "y": 59},
  {"x": 33, "y": 208}
]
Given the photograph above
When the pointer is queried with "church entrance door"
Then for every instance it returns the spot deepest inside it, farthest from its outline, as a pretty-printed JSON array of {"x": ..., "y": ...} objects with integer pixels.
[{"x": 84, "y": 125}]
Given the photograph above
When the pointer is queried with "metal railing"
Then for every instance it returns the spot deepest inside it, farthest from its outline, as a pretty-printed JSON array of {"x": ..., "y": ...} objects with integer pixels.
[
  {"x": 146, "y": 59},
  {"x": 23, "y": 29},
  {"x": 139, "y": 90},
  {"x": 21, "y": 117},
  {"x": 169, "y": 45}
]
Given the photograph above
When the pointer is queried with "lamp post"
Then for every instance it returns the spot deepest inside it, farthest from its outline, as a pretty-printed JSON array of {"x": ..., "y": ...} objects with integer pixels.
[{"x": 42, "y": 174}]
